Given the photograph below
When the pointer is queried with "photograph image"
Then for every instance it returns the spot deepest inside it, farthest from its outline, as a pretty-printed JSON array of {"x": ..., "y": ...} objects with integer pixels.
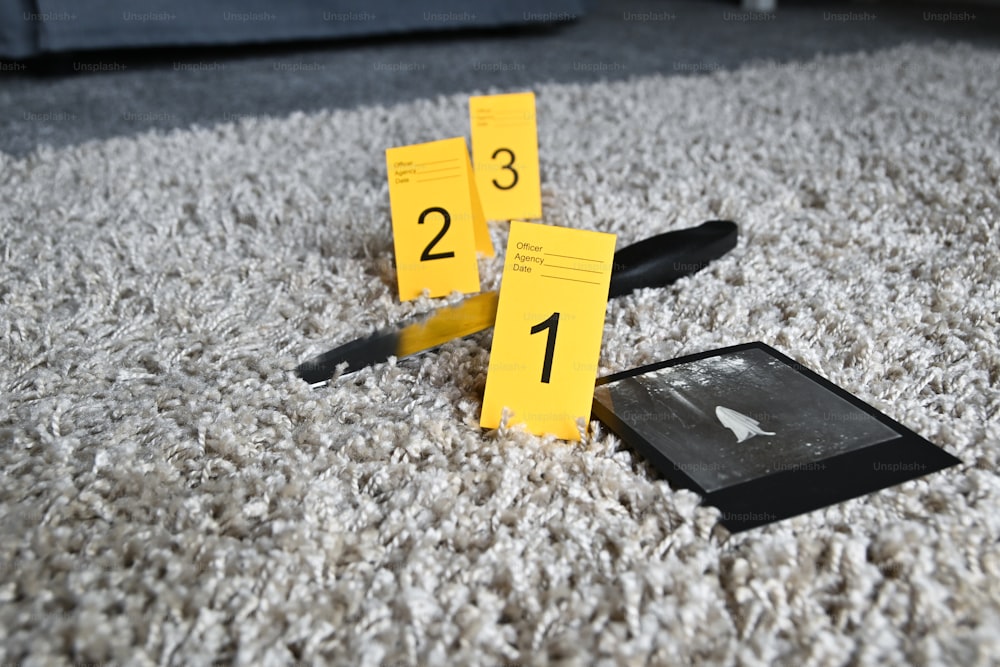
[{"x": 735, "y": 417}]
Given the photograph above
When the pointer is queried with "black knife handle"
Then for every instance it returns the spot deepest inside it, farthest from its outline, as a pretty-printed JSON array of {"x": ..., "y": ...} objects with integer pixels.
[{"x": 667, "y": 257}]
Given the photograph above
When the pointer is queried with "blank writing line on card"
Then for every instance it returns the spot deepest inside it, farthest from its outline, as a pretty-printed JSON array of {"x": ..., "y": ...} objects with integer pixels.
[
  {"x": 437, "y": 178},
  {"x": 571, "y": 268},
  {"x": 590, "y": 267},
  {"x": 423, "y": 174},
  {"x": 575, "y": 280},
  {"x": 582, "y": 259},
  {"x": 427, "y": 164},
  {"x": 433, "y": 171}
]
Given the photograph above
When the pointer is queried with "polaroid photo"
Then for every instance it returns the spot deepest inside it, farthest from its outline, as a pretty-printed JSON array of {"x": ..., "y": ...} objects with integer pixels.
[{"x": 758, "y": 435}]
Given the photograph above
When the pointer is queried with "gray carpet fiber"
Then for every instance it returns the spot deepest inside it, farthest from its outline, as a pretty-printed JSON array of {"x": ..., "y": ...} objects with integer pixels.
[{"x": 172, "y": 494}]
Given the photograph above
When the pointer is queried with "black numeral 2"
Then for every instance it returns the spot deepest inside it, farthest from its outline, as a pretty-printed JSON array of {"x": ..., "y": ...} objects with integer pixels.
[
  {"x": 552, "y": 324},
  {"x": 427, "y": 255},
  {"x": 509, "y": 167}
]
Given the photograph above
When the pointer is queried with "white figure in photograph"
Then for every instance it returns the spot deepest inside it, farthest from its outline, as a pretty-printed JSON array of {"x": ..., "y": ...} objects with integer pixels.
[{"x": 744, "y": 427}]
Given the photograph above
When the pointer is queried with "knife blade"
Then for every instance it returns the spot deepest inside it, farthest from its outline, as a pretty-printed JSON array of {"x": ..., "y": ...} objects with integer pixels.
[{"x": 654, "y": 262}]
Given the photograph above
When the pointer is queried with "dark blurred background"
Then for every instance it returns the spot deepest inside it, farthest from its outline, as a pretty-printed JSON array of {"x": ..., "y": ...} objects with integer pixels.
[{"x": 70, "y": 73}]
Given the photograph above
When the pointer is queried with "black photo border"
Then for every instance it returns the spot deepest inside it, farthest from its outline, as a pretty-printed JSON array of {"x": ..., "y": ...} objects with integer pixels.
[{"x": 790, "y": 492}]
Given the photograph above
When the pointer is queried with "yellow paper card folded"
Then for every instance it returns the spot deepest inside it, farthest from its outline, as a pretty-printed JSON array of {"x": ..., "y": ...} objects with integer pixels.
[
  {"x": 437, "y": 220},
  {"x": 505, "y": 154},
  {"x": 550, "y": 320},
  {"x": 484, "y": 245}
]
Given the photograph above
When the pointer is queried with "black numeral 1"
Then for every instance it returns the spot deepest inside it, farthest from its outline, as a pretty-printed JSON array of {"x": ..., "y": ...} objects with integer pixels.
[{"x": 552, "y": 324}]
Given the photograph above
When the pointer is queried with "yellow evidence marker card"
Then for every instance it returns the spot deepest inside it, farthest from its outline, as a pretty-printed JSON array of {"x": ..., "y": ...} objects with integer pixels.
[
  {"x": 505, "y": 154},
  {"x": 550, "y": 320},
  {"x": 437, "y": 220}
]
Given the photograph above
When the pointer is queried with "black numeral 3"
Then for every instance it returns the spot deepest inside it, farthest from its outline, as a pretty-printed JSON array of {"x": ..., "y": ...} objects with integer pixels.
[{"x": 509, "y": 167}]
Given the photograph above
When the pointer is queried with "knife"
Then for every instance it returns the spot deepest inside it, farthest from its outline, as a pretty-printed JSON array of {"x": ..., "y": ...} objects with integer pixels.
[{"x": 654, "y": 262}]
